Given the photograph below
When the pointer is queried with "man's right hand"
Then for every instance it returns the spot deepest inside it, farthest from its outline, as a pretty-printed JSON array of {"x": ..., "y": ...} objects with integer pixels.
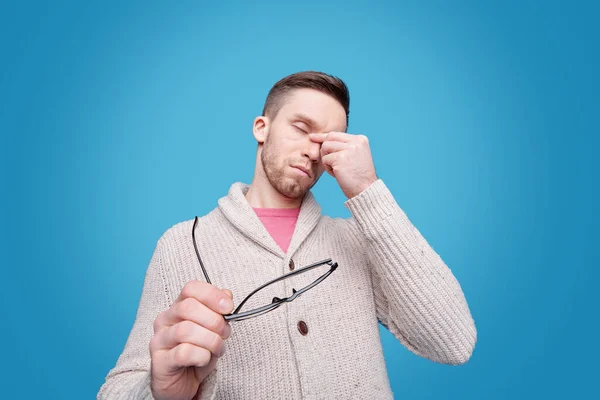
[{"x": 188, "y": 340}]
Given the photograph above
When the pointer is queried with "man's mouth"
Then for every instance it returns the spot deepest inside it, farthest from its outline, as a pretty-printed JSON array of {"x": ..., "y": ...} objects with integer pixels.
[{"x": 302, "y": 170}]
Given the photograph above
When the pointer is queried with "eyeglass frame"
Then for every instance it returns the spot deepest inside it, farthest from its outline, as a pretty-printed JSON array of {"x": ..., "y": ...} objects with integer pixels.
[{"x": 237, "y": 316}]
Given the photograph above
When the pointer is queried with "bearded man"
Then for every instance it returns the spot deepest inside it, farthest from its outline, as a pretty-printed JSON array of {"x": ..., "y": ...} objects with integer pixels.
[{"x": 269, "y": 240}]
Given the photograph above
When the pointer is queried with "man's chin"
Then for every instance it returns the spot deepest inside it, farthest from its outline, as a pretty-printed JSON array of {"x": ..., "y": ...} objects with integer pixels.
[{"x": 292, "y": 188}]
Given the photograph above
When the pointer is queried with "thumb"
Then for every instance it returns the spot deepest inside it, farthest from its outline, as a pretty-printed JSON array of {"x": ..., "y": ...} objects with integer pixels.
[{"x": 228, "y": 293}]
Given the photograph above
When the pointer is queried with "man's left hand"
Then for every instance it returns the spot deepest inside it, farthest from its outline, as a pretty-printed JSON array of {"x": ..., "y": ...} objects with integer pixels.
[{"x": 348, "y": 159}]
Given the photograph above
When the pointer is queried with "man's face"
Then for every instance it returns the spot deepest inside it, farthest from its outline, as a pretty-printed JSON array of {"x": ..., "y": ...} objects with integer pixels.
[{"x": 291, "y": 161}]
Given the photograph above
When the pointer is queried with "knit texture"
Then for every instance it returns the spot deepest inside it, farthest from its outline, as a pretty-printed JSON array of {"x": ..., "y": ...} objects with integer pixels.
[{"x": 387, "y": 272}]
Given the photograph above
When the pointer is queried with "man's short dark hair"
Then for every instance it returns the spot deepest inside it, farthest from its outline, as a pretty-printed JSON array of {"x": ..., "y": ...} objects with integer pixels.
[{"x": 325, "y": 83}]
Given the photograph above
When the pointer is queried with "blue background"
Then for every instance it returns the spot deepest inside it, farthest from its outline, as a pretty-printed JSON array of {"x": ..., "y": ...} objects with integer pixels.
[{"x": 120, "y": 120}]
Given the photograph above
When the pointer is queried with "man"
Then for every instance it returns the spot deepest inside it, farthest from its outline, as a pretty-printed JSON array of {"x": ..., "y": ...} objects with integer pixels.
[{"x": 325, "y": 344}]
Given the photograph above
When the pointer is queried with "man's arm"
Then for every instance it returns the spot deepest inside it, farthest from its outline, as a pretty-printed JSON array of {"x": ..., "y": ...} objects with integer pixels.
[
  {"x": 130, "y": 378},
  {"x": 416, "y": 295}
]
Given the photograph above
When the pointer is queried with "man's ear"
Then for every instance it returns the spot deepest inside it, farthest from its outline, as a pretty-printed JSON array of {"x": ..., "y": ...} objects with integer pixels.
[{"x": 260, "y": 129}]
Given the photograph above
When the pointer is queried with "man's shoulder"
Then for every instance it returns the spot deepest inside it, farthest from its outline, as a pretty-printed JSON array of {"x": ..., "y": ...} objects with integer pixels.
[
  {"x": 338, "y": 223},
  {"x": 182, "y": 230}
]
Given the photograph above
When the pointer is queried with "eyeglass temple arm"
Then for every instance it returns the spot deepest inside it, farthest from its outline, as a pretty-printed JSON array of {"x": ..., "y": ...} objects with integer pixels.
[{"x": 197, "y": 252}]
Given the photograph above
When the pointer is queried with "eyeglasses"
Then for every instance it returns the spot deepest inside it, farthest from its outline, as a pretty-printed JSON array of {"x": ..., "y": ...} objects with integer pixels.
[{"x": 238, "y": 315}]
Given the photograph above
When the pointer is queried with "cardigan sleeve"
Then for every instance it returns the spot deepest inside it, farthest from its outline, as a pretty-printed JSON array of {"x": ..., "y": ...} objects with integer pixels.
[
  {"x": 417, "y": 297},
  {"x": 130, "y": 378}
]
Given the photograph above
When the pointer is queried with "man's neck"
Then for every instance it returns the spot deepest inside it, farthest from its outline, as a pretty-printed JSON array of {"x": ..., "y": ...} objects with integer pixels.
[{"x": 262, "y": 195}]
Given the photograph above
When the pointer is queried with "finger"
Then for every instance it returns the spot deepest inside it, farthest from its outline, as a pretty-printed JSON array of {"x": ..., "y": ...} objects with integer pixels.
[
  {"x": 334, "y": 136},
  {"x": 317, "y": 137},
  {"x": 190, "y": 309},
  {"x": 330, "y": 159},
  {"x": 207, "y": 294},
  {"x": 228, "y": 293},
  {"x": 328, "y": 162},
  {"x": 189, "y": 332},
  {"x": 329, "y": 147},
  {"x": 188, "y": 355}
]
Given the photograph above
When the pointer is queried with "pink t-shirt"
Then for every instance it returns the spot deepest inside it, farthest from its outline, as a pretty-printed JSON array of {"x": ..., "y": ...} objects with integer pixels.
[{"x": 280, "y": 223}]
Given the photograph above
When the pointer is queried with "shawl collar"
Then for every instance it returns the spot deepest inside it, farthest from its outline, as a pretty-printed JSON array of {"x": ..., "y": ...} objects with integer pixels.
[{"x": 240, "y": 214}]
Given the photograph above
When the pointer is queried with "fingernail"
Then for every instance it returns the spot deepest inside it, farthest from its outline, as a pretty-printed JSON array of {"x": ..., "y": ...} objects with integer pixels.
[{"x": 226, "y": 305}]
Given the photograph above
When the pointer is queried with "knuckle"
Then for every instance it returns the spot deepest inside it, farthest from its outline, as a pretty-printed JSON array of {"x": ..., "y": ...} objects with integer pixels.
[
  {"x": 182, "y": 354},
  {"x": 183, "y": 330},
  {"x": 217, "y": 344},
  {"x": 154, "y": 343},
  {"x": 189, "y": 289},
  {"x": 205, "y": 293},
  {"x": 203, "y": 357},
  {"x": 216, "y": 323},
  {"x": 158, "y": 322},
  {"x": 186, "y": 306}
]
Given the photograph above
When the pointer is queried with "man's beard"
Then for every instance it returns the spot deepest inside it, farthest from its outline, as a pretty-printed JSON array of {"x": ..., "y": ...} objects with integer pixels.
[{"x": 287, "y": 186}]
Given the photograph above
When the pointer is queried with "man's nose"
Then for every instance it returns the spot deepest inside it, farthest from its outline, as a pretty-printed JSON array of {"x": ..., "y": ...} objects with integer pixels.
[{"x": 313, "y": 151}]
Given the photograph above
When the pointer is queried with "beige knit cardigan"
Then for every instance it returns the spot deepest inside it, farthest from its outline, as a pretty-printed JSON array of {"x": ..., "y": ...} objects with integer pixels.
[{"x": 387, "y": 272}]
